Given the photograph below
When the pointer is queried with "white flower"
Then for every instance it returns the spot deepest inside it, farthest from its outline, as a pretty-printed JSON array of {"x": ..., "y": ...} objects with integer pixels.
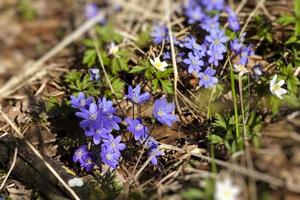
[
  {"x": 225, "y": 190},
  {"x": 276, "y": 89},
  {"x": 75, "y": 182},
  {"x": 241, "y": 69},
  {"x": 113, "y": 49},
  {"x": 161, "y": 66}
]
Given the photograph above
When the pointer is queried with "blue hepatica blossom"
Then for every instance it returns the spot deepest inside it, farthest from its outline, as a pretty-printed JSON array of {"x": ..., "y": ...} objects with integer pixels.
[
  {"x": 114, "y": 143},
  {"x": 94, "y": 74},
  {"x": 214, "y": 57},
  {"x": 153, "y": 146},
  {"x": 98, "y": 133},
  {"x": 245, "y": 53},
  {"x": 136, "y": 127},
  {"x": 213, "y": 4},
  {"x": 84, "y": 157},
  {"x": 107, "y": 118},
  {"x": 162, "y": 111},
  {"x": 233, "y": 22},
  {"x": 208, "y": 24},
  {"x": 217, "y": 40},
  {"x": 109, "y": 156},
  {"x": 90, "y": 116},
  {"x": 134, "y": 95},
  {"x": 194, "y": 14},
  {"x": 159, "y": 34},
  {"x": 194, "y": 62},
  {"x": 207, "y": 79},
  {"x": 236, "y": 46},
  {"x": 80, "y": 102},
  {"x": 91, "y": 10},
  {"x": 191, "y": 43}
]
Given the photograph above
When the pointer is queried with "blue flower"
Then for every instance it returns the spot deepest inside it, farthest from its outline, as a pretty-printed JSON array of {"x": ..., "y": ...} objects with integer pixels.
[
  {"x": 236, "y": 46},
  {"x": 162, "y": 111},
  {"x": 88, "y": 164},
  {"x": 207, "y": 78},
  {"x": 216, "y": 40},
  {"x": 213, "y": 4},
  {"x": 80, "y": 101},
  {"x": 214, "y": 57},
  {"x": 233, "y": 22},
  {"x": 136, "y": 127},
  {"x": 135, "y": 96},
  {"x": 202, "y": 50},
  {"x": 90, "y": 117},
  {"x": 94, "y": 74},
  {"x": 114, "y": 143},
  {"x": 92, "y": 10},
  {"x": 159, "y": 34},
  {"x": 245, "y": 53},
  {"x": 210, "y": 24},
  {"x": 109, "y": 156},
  {"x": 107, "y": 118},
  {"x": 191, "y": 43},
  {"x": 97, "y": 133},
  {"x": 257, "y": 71},
  {"x": 152, "y": 146},
  {"x": 84, "y": 157},
  {"x": 194, "y": 14},
  {"x": 80, "y": 154},
  {"x": 193, "y": 62}
]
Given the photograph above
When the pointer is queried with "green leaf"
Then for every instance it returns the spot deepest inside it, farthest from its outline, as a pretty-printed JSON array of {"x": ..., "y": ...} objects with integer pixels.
[
  {"x": 119, "y": 64},
  {"x": 215, "y": 139},
  {"x": 220, "y": 121},
  {"x": 297, "y": 7},
  {"x": 193, "y": 194},
  {"x": 292, "y": 39},
  {"x": 155, "y": 85},
  {"x": 90, "y": 57},
  {"x": 118, "y": 86},
  {"x": 143, "y": 39},
  {"x": 297, "y": 20},
  {"x": 72, "y": 76},
  {"x": 167, "y": 86},
  {"x": 286, "y": 19},
  {"x": 136, "y": 69},
  {"x": 108, "y": 34}
]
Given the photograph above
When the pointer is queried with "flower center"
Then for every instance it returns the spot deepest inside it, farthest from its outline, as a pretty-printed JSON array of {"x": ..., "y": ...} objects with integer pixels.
[
  {"x": 135, "y": 98},
  {"x": 79, "y": 153},
  {"x": 160, "y": 113},
  {"x": 93, "y": 116},
  {"x": 82, "y": 102},
  {"x": 275, "y": 87},
  {"x": 194, "y": 62},
  {"x": 216, "y": 41},
  {"x": 158, "y": 65},
  {"x": 108, "y": 156},
  {"x": 205, "y": 77},
  {"x": 139, "y": 127}
]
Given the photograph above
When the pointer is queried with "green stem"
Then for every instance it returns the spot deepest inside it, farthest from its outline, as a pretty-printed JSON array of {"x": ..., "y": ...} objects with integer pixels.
[{"x": 235, "y": 105}]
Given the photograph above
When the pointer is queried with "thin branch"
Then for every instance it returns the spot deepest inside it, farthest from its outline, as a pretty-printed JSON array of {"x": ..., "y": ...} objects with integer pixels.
[
  {"x": 10, "y": 169},
  {"x": 38, "y": 154}
]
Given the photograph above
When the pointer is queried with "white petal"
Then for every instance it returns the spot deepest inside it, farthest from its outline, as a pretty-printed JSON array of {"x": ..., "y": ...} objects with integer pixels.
[
  {"x": 273, "y": 81},
  {"x": 157, "y": 60},
  {"x": 152, "y": 62},
  {"x": 164, "y": 64},
  {"x": 281, "y": 83}
]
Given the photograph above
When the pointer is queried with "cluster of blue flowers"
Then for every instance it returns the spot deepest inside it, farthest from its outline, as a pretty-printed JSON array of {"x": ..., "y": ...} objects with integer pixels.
[
  {"x": 100, "y": 122},
  {"x": 200, "y": 58}
]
